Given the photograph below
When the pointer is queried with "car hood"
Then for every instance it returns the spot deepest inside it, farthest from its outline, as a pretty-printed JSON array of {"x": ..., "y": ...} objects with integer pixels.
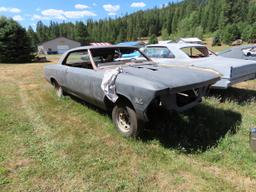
[{"x": 174, "y": 77}]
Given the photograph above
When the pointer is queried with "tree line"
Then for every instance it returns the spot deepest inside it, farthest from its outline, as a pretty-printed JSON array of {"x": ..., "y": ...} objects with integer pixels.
[{"x": 227, "y": 20}]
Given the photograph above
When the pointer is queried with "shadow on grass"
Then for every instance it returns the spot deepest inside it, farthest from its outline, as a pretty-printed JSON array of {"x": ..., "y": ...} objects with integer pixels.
[
  {"x": 240, "y": 96},
  {"x": 193, "y": 131},
  {"x": 196, "y": 130}
]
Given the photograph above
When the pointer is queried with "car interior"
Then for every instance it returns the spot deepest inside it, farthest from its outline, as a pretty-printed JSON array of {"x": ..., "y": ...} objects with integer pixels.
[
  {"x": 79, "y": 59},
  {"x": 196, "y": 52},
  {"x": 112, "y": 56}
]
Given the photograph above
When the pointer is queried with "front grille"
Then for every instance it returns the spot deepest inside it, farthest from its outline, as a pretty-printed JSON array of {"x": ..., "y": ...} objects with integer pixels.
[{"x": 187, "y": 97}]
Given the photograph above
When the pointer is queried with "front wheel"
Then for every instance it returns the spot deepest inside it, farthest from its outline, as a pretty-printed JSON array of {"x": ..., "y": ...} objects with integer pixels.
[
  {"x": 125, "y": 120},
  {"x": 58, "y": 89}
]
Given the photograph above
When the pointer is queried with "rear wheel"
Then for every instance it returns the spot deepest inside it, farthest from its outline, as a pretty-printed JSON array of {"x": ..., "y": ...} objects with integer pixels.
[
  {"x": 249, "y": 54},
  {"x": 125, "y": 119}
]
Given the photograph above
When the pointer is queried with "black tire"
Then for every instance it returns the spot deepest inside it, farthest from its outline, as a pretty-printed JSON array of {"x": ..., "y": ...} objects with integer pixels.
[
  {"x": 125, "y": 120},
  {"x": 249, "y": 54}
]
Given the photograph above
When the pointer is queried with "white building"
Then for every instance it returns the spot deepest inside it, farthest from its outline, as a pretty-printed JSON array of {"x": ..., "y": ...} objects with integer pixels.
[{"x": 57, "y": 46}]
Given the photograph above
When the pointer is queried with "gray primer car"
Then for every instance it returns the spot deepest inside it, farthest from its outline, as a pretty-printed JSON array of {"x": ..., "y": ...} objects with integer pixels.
[{"x": 142, "y": 87}]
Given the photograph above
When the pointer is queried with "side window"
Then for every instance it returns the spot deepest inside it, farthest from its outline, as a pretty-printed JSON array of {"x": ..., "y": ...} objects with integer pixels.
[
  {"x": 196, "y": 52},
  {"x": 159, "y": 52},
  {"x": 78, "y": 59}
]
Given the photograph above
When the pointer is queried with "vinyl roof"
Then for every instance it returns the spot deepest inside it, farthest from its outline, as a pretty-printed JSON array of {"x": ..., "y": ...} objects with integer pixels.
[
  {"x": 102, "y": 46},
  {"x": 177, "y": 45}
]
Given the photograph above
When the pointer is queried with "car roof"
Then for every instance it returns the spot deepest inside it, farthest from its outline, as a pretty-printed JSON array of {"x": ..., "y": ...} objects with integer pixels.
[
  {"x": 177, "y": 45},
  {"x": 101, "y": 47}
]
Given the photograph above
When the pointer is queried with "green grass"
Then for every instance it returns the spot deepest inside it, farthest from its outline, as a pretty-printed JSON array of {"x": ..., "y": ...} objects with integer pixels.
[{"x": 51, "y": 144}]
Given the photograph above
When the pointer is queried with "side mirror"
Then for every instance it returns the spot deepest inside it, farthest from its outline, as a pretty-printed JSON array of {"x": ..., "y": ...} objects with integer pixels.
[{"x": 253, "y": 139}]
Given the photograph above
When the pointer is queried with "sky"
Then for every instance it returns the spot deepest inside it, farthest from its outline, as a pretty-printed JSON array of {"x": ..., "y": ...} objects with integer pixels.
[{"x": 29, "y": 12}]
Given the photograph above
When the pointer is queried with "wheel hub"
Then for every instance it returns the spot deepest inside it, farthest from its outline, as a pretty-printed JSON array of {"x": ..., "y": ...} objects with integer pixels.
[{"x": 123, "y": 121}]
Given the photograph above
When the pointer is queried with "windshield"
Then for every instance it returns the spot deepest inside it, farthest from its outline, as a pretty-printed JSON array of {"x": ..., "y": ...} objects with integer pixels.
[
  {"x": 158, "y": 52},
  {"x": 116, "y": 56},
  {"x": 196, "y": 52}
]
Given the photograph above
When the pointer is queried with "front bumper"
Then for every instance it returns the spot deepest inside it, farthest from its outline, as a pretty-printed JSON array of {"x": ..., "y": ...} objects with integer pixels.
[
  {"x": 184, "y": 100},
  {"x": 176, "y": 102}
]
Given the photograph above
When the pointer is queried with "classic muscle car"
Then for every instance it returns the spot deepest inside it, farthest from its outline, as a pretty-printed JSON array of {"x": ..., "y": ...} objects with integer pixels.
[
  {"x": 141, "y": 87},
  {"x": 233, "y": 70}
]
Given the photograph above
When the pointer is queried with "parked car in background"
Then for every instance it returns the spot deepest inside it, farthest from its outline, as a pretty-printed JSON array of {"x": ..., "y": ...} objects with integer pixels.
[
  {"x": 138, "y": 44},
  {"x": 233, "y": 70},
  {"x": 238, "y": 52},
  {"x": 250, "y": 51},
  {"x": 141, "y": 86}
]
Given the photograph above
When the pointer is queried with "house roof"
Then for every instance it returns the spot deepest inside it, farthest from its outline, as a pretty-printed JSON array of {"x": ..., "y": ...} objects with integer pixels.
[{"x": 57, "y": 39}]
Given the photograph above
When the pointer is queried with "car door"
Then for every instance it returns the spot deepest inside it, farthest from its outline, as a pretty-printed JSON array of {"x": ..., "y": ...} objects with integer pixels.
[{"x": 80, "y": 75}]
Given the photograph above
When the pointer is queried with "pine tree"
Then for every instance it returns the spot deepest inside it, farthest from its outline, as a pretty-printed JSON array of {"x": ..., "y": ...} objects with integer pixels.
[
  {"x": 15, "y": 45},
  {"x": 81, "y": 33},
  {"x": 33, "y": 37}
]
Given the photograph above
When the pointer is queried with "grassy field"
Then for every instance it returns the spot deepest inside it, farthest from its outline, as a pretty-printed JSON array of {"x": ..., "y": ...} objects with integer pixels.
[{"x": 52, "y": 144}]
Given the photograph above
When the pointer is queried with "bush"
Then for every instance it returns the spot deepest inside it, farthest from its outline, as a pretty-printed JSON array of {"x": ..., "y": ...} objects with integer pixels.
[
  {"x": 246, "y": 33},
  {"x": 164, "y": 34},
  {"x": 252, "y": 37},
  {"x": 199, "y": 32},
  {"x": 15, "y": 45},
  {"x": 153, "y": 39},
  {"x": 216, "y": 41},
  {"x": 230, "y": 34}
]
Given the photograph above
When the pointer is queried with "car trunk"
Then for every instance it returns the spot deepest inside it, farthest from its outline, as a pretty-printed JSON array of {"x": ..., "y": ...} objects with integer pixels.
[{"x": 229, "y": 68}]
